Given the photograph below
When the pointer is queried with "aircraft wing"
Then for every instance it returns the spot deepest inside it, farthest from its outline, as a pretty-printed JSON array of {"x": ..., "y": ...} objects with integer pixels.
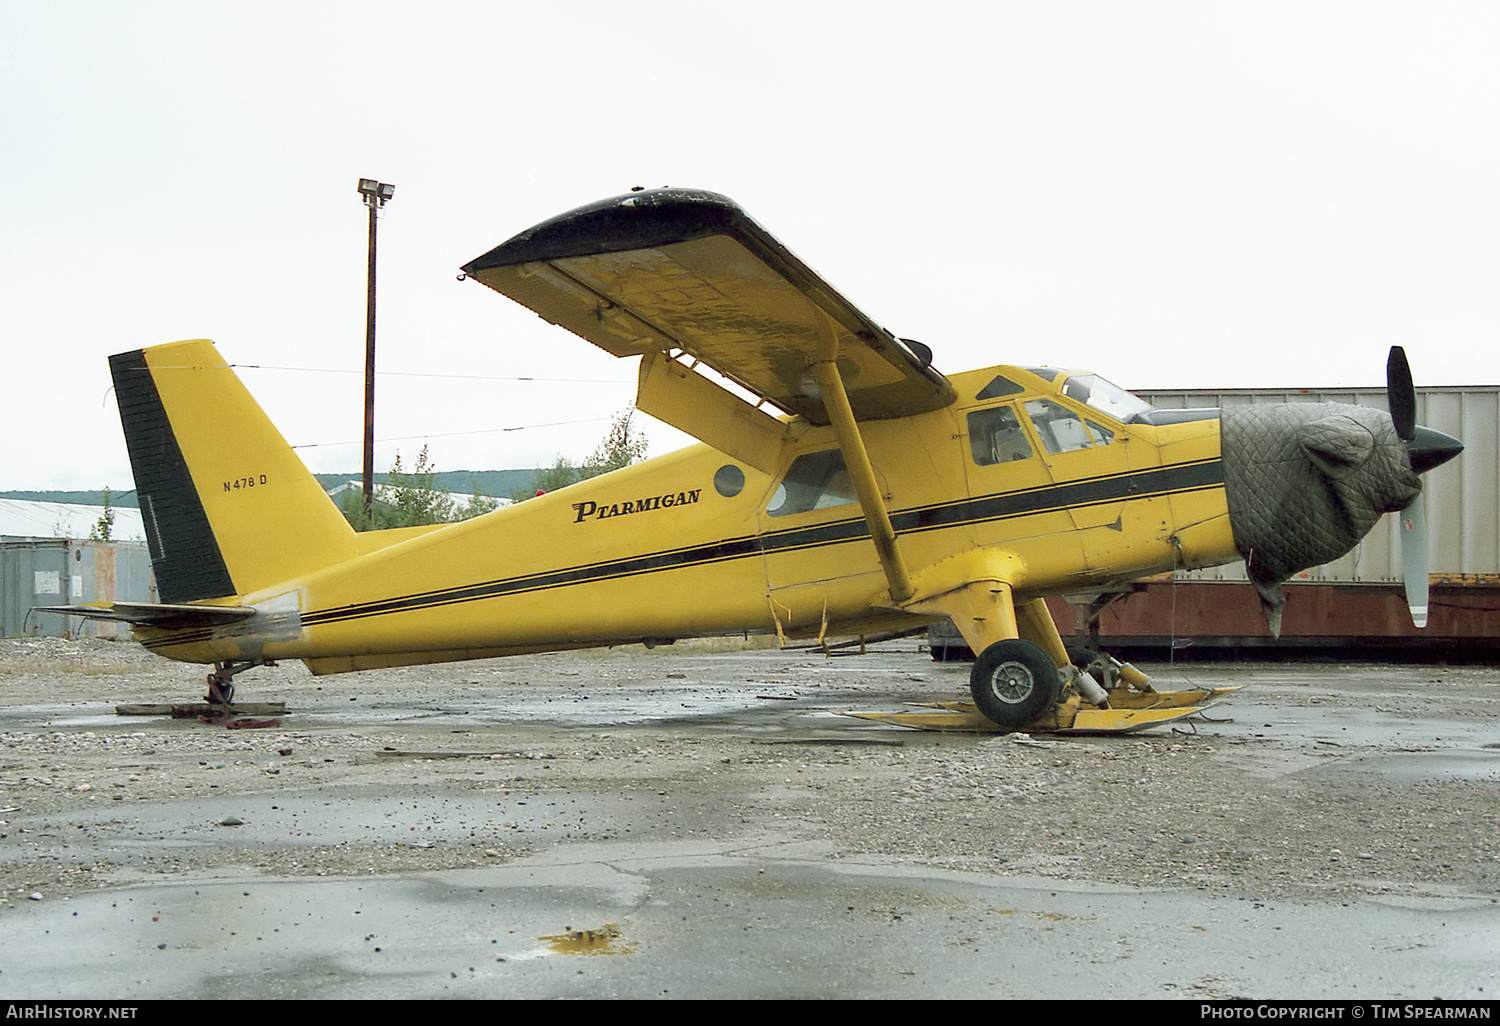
[
  {"x": 686, "y": 270},
  {"x": 151, "y": 614}
]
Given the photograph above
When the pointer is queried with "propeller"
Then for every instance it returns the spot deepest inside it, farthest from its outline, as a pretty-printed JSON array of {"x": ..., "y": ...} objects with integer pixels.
[
  {"x": 1414, "y": 558},
  {"x": 1426, "y": 449},
  {"x": 1401, "y": 394}
]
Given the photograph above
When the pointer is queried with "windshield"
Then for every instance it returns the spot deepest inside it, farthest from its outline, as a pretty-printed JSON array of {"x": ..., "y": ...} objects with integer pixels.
[{"x": 1109, "y": 399}]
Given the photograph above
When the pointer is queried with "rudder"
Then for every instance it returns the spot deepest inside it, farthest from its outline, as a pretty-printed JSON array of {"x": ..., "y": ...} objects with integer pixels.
[{"x": 228, "y": 507}]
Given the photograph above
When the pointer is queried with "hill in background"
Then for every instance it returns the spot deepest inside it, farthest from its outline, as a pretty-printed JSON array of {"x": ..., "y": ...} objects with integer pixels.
[{"x": 499, "y": 484}]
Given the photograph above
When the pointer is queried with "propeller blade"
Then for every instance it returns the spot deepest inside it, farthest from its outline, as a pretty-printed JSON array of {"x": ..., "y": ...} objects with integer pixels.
[
  {"x": 1414, "y": 558},
  {"x": 1401, "y": 394}
]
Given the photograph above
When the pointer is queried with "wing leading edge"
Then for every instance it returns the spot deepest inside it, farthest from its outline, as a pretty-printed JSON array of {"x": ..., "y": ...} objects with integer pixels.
[{"x": 685, "y": 270}]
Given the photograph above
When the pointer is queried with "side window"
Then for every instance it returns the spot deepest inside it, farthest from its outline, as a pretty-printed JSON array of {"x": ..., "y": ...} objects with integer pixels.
[
  {"x": 1062, "y": 430},
  {"x": 995, "y": 436},
  {"x": 816, "y": 480}
]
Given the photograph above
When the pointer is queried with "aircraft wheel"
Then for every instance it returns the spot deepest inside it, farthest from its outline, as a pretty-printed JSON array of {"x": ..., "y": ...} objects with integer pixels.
[
  {"x": 1014, "y": 682},
  {"x": 220, "y": 690}
]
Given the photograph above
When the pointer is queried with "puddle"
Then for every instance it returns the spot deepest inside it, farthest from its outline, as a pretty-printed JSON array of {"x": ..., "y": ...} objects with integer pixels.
[
  {"x": 1355, "y": 728},
  {"x": 1415, "y": 767},
  {"x": 603, "y": 940}
]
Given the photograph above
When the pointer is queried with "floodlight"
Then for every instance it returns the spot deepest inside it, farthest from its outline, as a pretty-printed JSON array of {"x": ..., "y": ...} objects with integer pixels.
[{"x": 375, "y": 193}]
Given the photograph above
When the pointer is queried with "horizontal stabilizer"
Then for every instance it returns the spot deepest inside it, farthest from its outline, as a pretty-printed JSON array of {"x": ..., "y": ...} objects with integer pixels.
[{"x": 150, "y": 614}]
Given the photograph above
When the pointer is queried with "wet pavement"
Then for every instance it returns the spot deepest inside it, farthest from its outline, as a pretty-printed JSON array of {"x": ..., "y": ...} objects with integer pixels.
[
  {"x": 689, "y": 920},
  {"x": 626, "y": 891}
]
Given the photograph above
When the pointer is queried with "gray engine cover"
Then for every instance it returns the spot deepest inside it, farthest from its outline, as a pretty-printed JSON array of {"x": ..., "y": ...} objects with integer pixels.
[{"x": 1305, "y": 482}]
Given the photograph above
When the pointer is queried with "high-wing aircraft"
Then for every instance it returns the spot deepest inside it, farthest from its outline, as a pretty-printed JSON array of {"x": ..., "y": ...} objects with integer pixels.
[{"x": 844, "y": 486}]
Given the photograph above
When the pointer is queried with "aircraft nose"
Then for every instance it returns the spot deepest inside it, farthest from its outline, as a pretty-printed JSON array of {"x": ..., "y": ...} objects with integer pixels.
[{"x": 1429, "y": 448}]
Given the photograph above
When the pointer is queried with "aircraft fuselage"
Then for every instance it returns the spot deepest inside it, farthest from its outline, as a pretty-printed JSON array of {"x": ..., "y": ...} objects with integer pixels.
[{"x": 694, "y": 543}]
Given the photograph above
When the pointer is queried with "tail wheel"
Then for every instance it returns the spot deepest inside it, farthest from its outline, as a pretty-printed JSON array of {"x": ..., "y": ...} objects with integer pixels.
[
  {"x": 1014, "y": 682},
  {"x": 220, "y": 690}
]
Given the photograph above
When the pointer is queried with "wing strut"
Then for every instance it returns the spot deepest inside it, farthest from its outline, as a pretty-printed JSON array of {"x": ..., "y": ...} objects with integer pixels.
[{"x": 825, "y": 372}]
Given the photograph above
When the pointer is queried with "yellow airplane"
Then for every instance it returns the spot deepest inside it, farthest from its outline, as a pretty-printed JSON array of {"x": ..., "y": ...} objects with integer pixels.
[{"x": 844, "y": 487}]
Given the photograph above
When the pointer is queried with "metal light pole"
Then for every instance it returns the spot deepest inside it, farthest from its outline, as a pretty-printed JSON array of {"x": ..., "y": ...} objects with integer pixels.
[{"x": 375, "y": 194}]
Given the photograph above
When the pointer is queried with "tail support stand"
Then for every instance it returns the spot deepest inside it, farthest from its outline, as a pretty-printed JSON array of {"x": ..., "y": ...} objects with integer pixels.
[{"x": 221, "y": 681}]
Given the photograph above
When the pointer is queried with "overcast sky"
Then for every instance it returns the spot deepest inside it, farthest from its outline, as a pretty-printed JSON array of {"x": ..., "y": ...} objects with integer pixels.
[{"x": 1170, "y": 194}]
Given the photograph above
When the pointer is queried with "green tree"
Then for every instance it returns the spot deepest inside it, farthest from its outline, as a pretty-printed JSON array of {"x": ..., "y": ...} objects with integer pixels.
[
  {"x": 352, "y": 505},
  {"x": 561, "y": 474},
  {"x": 414, "y": 498},
  {"x": 480, "y": 502},
  {"x": 622, "y": 446},
  {"x": 104, "y": 527},
  {"x": 411, "y": 499}
]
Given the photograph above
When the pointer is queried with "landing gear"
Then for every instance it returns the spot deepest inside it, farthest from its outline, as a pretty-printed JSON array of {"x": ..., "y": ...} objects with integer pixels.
[
  {"x": 221, "y": 682},
  {"x": 220, "y": 689},
  {"x": 1091, "y": 662},
  {"x": 1108, "y": 671},
  {"x": 1014, "y": 682}
]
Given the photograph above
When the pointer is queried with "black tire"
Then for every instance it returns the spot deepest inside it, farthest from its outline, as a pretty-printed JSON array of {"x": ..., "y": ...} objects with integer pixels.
[{"x": 1014, "y": 682}]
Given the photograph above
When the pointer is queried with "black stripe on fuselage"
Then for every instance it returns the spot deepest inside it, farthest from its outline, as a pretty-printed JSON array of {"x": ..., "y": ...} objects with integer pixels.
[{"x": 1182, "y": 477}]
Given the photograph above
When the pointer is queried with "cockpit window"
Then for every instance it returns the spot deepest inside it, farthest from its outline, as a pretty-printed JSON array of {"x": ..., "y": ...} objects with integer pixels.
[
  {"x": 995, "y": 436},
  {"x": 816, "y": 480},
  {"x": 1109, "y": 399},
  {"x": 1045, "y": 373},
  {"x": 1060, "y": 429}
]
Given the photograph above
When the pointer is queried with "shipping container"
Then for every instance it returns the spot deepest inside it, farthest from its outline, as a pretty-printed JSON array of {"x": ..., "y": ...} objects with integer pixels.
[{"x": 57, "y": 572}]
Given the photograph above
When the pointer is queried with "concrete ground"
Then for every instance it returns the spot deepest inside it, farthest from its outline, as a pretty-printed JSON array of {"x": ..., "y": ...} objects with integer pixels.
[{"x": 699, "y": 823}]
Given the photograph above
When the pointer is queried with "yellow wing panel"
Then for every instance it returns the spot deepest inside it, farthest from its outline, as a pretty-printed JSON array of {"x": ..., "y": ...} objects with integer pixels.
[{"x": 680, "y": 269}]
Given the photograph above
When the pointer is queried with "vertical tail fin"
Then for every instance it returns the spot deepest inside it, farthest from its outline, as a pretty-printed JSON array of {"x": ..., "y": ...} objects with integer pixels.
[{"x": 228, "y": 506}]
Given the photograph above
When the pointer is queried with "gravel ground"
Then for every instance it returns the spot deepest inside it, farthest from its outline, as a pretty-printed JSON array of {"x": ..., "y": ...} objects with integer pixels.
[{"x": 1320, "y": 781}]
